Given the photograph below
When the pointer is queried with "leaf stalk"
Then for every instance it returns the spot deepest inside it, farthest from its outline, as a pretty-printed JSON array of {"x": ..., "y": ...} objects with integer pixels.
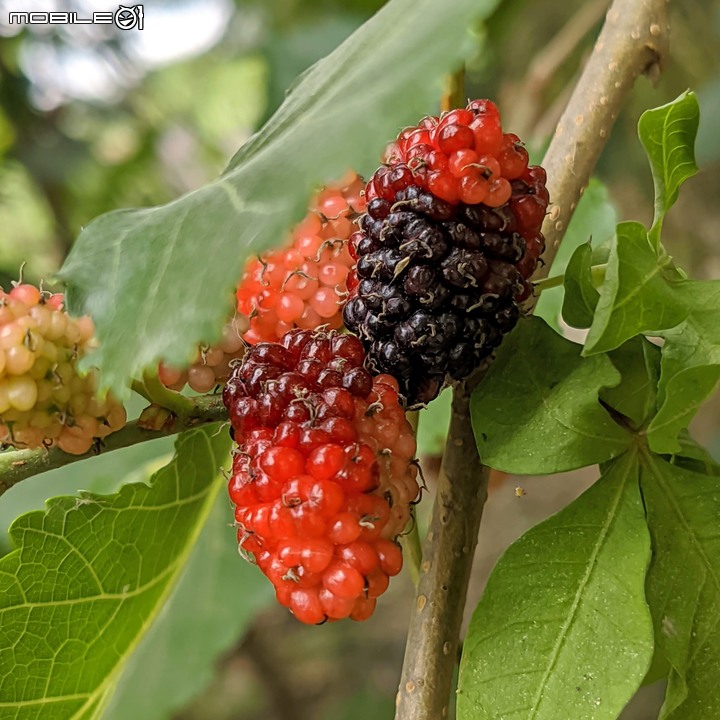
[{"x": 597, "y": 273}]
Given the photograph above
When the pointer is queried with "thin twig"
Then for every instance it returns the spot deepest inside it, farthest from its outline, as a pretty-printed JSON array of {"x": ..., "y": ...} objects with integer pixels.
[
  {"x": 632, "y": 41},
  {"x": 155, "y": 392},
  {"x": 597, "y": 274},
  {"x": 16, "y": 465}
]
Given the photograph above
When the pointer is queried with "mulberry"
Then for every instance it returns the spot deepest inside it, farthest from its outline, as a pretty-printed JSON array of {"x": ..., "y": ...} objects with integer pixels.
[{"x": 445, "y": 250}]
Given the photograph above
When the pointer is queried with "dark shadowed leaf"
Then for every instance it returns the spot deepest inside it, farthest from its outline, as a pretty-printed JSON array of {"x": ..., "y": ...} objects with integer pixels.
[
  {"x": 581, "y": 295},
  {"x": 692, "y": 456},
  {"x": 683, "y": 585},
  {"x": 638, "y": 362},
  {"x": 594, "y": 221}
]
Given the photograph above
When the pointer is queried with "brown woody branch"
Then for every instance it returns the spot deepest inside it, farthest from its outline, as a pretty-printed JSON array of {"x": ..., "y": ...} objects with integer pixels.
[
  {"x": 633, "y": 42},
  {"x": 16, "y": 465}
]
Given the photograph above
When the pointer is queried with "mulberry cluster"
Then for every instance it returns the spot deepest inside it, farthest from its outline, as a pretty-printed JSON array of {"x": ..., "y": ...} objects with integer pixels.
[
  {"x": 212, "y": 363},
  {"x": 44, "y": 401},
  {"x": 446, "y": 248},
  {"x": 323, "y": 478},
  {"x": 304, "y": 284}
]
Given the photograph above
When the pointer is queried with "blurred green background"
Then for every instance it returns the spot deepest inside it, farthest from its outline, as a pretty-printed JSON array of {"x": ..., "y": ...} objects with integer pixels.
[{"x": 92, "y": 119}]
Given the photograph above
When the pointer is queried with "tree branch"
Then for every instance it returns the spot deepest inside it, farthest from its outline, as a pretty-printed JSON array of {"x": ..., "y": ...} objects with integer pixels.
[
  {"x": 16, "y": 465},
  {"x": 633, "y": 41},
  {"x": 527, "y": 100},
  {"x": 431, "y": 650}
]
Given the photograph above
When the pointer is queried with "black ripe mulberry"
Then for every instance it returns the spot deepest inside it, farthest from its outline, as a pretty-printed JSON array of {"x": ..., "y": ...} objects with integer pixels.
[{"x": 445, "y": 250}]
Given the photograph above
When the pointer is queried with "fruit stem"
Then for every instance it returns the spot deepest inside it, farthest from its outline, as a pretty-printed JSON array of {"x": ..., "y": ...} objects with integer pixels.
[
  {"x": 597, "y": 273},
  {"x": 17, "y": 465},
  {"x": 156, "y": 393},
  {"x": 454, "y": 92}
]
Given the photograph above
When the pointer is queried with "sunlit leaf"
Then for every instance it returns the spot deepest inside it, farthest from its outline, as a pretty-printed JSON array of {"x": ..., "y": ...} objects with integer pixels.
[
  {"x": 536, "y": 411},
  {"x": 641, "y": 293},
  {"x": 563, "y": 629},
  {"x": 90, "y": 575},
  {"x": 215, "y": 599},
  {"x": 668, "y": 136},
  {"x": 690, "y": 366},
  {"x": 644, "y": 293}
]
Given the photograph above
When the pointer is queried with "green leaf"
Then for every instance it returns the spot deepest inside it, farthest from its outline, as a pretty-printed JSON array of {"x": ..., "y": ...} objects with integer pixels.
[
  {"x": 90, "y": 575},
  {"x": 563, "y": 629},
  {"x": 692, "y": 456},
  {"x": 639, "y": 295},
  {"x": 594, "y": 220},
  {"x": 690, "y": 365},
  {"x": 213, "y": 603},
  {"x": 536, "y": 411},
  {"x": 206, "y": 613},
  {"x": 659, "y": 669},
  {"x": 635, "y": 397},
  {"x": 581, "y": 296},
  {"x": 683, "y": 584},
  {"x": 101, "y": 475},
  {"x": 167, "y": 272},
  {"x": 433, "y": 425},
  {"x": 644, "y": 293},
  {"x": 668, "y": 136}
]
